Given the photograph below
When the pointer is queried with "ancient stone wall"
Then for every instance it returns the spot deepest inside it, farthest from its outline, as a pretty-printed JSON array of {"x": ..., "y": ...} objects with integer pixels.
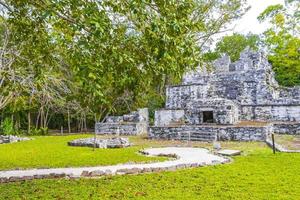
[
  {"x": 285, "y": 113},
  {"x": 286, "y": 128},
  {"x": 245, "y": 90},
  {"x": 134, "y": 123},
  {"x": 210, "y": 133},
  {"x": 249, "y": 83},
  {"x": 122, "y": 129},
  {"x": 224, "y": 111},
  {"x": 166, "y": 117}
]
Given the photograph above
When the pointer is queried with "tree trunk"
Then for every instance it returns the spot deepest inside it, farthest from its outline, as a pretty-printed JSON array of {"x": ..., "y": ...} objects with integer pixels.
[
  {"x": 41, "y": 117},
  {"x": 78, "y": 124},
  {"x": 29, "y": 122},
  {"x": 37, "y": 125},
  {"x": 69, "y": 123},
  {"x": 81, "y": 124},
  {"x": 46, "y": 120},
  {"x": 18, "y": 122},
  {"x": 29, "y": 117},
  {"x": 85, "y": 127}
]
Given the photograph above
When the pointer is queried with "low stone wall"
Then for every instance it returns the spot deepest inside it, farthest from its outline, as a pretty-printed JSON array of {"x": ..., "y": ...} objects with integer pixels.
[
  {"x": 12, "y": 138},
  {"x": 210, "y": 133},
  {"x": 121, "y": 128},
  {"x": 287, "y": 128},
  {"x": 244, "y": 133},
  {"x": 103, "y": 173},
  {"x": 101, "y": 143},
  {"x": 196, "y": 133},
  {"x": 27, "y": 178}
]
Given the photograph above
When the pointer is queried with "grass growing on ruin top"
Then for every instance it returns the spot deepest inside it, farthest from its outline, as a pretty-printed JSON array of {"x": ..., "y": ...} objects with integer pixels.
[
  {"x": 53, "y": 151},
  {"x": 258, "y": 174}
]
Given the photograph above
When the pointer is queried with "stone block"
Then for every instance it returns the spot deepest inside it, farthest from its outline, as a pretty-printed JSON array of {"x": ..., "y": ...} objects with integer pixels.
[
  {"x": 96, "y": 173},
  {"x": 229, "y": 152}
]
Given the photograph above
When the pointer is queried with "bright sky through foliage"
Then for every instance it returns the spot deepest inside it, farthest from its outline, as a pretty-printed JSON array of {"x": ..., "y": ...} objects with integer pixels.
[{"x": 249, "y": 22}]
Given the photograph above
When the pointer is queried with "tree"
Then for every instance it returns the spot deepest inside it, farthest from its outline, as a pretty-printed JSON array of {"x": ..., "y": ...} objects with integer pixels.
[
  {"x": 12, "y": 77},
  {"x": 116, "y": 55},
  {"x": 283, "y": 41},
  {"x": 234, "y": 44}
]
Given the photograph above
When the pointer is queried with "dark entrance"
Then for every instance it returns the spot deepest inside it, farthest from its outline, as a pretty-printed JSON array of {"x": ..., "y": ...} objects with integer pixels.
[{"x": 208, "y": 117}]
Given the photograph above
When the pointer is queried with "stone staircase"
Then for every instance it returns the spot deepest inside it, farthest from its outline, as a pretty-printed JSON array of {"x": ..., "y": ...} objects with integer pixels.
[
  {"x": 187, "y": 133},
  {"x": 199, "y": 136}
]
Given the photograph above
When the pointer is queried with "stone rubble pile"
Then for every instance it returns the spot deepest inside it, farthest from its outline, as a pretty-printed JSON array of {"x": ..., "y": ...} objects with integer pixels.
[
  {"x": 4, "y": 139},
  {"x": 101, "y": 143}
]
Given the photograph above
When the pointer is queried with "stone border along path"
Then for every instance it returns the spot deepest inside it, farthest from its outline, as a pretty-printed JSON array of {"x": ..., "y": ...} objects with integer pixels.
[{"x": 185, "y": 157}]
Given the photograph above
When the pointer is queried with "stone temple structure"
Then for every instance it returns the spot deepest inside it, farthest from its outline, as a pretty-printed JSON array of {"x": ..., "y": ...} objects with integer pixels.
[{"x": 237, "y": 101}]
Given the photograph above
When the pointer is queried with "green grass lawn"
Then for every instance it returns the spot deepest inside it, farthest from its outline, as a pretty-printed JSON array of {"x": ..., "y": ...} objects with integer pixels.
[
  {"x": 257, "y": 175},
  {"x": 53, "y": 151}
]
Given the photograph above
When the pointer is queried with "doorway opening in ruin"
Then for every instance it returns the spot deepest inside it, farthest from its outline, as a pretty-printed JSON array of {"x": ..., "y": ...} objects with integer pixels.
[{"x": 208, "y": 117}]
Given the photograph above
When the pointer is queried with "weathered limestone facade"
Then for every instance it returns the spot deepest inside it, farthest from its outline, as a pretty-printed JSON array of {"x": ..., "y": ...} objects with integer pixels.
[
  {"x": 134, "y": 123},
  {"x": 233, "y": 93}
]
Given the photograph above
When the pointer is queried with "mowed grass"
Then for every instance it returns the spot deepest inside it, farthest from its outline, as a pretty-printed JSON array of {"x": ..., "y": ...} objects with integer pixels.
[
  {"x": 256, "y": 175},
  {"x": 53, "y": 151}
]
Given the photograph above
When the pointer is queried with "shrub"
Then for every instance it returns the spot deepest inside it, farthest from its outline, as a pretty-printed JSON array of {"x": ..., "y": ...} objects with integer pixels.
[
  {"x": 7, "y": 127},
  {"x": 39, "y": 131}
]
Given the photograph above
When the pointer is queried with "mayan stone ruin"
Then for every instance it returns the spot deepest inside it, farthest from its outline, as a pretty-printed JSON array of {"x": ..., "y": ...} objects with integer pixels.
[
  {"x": 134, "y": 123},
  {"x": 236, "y": 101},
  {"x": 116, "y": 142}
]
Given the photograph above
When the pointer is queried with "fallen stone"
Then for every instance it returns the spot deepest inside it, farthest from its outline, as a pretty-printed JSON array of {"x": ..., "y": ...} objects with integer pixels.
[
  {"x": 129, "y": 171},
  {"x": 38, "y": 176},
  {"x": 217, "y": 145},
  {"x": 155, "y": 169},
  {"x": 216, "y": 162},
  {"x": 194, "y": 165},
  {"x": 146, "y": 170},
  {"x": 14, "y": 179},
  {"x": 228, "y": 152},
  {"x": 181, "y": 166},
  {"x": 96, "y": 173},
  {"x": 85, "y": 173},
  {"x": 108, "y": 172},
  {"x": 4, "y": 180}
]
